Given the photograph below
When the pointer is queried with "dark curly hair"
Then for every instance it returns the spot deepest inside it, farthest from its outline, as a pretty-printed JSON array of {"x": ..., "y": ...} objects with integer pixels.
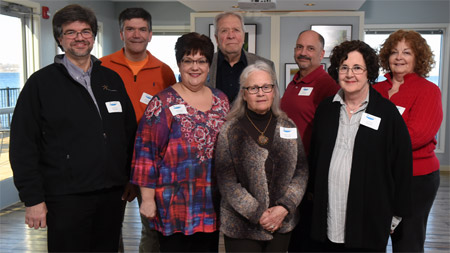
[
  {"x": 191, "y": 43},
  {"x": 340, "y": 54},
  {"x": 424, "y": 61}
]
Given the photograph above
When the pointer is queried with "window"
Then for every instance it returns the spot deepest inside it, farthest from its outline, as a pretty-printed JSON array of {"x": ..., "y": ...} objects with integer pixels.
[
  {"x": 97, "y": 50},
  {"x": 11, "y": 63},
  {"x": 434, "y": 38},
  {"x": 163, "y": 47},
  {"x": 18, "y": 59},
  {"x": 11, "y": 79},
  {"x": 437, "y": 38}
]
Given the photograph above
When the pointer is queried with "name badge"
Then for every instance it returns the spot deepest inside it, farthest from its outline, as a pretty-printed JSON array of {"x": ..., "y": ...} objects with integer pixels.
[
  {"x": 288, "y": 133},
  {"x": 371, "y": 121},
  {"x": 178, "y": 109},
  {"x": 400, "y": 109},
  {"x": 305, "y": 91},
  {"x": 113, "y": 106},
  {"x": 145, "y": 98}
]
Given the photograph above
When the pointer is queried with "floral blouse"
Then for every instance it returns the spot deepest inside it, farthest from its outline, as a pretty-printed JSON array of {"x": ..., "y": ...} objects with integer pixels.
[{"x": 173, "y": 153}]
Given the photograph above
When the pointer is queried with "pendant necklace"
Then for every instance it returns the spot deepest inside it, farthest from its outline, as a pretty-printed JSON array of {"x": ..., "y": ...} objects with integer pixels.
[
  {"x": 350, "y": 110},
  {"x": 262, "y": 139}
]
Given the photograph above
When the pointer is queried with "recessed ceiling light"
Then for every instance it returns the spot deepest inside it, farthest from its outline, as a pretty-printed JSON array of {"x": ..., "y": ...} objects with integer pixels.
[
  {"x": 235, "y": 6},
  {"x": 310, "y": 4}
]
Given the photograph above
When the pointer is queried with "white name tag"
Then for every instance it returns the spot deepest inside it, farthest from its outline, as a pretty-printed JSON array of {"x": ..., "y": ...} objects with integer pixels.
[
  {"x": 288, "y": 133},
  {"x": 178, "y": 109},
  {"x": 114, "y": 106},
  {"x": 400, "y": 109},
  {"x": 305, "y": 91},
  {"x": 145, "y": 98},
  {"x": 371, "y": 121}
]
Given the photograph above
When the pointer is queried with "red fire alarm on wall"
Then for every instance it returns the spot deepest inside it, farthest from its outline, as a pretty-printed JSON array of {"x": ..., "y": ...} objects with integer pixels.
[{"x": 45, "y": 14}]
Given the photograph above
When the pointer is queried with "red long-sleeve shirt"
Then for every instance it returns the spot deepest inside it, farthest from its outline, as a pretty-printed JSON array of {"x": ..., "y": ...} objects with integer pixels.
[{"x": 421, "y": 100}]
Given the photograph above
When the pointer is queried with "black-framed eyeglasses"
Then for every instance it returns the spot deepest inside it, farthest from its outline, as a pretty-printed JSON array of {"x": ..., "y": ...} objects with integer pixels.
[
  {"x": 71, "y": 34},
  {"x": 357, "y": 70},
  {"x": 267, "y": 88}
]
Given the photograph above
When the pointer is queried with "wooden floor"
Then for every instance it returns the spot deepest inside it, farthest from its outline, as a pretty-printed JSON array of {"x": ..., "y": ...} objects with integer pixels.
[{"x": 15, "y": 236}]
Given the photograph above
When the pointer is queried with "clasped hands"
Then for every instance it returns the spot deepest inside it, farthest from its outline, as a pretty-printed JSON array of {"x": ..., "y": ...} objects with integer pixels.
[{"x": 272, "y": 219}]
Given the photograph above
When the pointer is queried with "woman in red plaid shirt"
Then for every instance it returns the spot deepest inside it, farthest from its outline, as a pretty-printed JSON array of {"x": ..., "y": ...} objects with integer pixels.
[{"x": 173, "y": 153}]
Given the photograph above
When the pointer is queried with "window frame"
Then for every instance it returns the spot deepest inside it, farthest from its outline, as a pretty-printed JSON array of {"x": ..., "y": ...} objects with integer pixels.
[
  {"x": 31, "y": 33},
  {"x": 31, "y": 36},
  {"x": 160, "y": 30},
  {"x": 445, "y": 61}
]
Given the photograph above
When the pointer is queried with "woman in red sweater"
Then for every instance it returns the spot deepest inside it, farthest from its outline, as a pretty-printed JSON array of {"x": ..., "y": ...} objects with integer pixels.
[{"x": 408, "y": 59}]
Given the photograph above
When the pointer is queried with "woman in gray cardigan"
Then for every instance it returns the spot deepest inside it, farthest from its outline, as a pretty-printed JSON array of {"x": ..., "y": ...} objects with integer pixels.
[{"x": 261, "y": 167}]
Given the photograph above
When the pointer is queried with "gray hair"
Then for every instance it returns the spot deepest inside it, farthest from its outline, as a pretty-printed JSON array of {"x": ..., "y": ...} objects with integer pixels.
[
  {"x": 227, "y": 14},
  {"x": 239, "y": 104}
]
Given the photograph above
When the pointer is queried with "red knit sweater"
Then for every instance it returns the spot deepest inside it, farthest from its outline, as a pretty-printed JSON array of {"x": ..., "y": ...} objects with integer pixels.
[{"x": 422, "y": 105}]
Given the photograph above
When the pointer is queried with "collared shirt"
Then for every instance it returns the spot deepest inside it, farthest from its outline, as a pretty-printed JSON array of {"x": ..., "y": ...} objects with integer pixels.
[
  {"x": 340, "y": 169},
  {"x": 300, "y": 105},
  {"x": 152, "y": 78},
  {"x": 228, "y": 77},
  {"x": 83, "y": 78}
]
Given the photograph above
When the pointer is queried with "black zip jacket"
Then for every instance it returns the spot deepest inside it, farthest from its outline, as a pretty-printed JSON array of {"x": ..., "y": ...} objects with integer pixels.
[{"x": 61, "y": 144}]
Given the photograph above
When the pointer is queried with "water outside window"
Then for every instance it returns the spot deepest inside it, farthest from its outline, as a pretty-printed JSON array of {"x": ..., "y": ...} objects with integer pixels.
[
  {"x": 11, "y": 57},
  {"x": 11, "y": 80}
]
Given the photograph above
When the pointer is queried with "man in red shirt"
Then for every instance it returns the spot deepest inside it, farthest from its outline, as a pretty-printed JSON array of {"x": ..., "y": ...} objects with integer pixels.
[
  {"x": 310, "y": 85},
  {"x": 304, "y": 93}
]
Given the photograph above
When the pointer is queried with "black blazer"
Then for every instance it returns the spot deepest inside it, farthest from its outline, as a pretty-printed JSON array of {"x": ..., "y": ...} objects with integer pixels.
[{"x": 381, "y": 173}]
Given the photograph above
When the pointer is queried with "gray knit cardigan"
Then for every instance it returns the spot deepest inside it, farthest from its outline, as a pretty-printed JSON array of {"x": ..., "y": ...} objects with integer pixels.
[{"x": 241, "y": 176}]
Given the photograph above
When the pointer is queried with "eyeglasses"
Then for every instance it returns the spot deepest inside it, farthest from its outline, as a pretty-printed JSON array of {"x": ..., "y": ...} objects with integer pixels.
[
  {"x": 189, "y": 62},
  {"x": 71, "y": 34},
  {"x": 267, "y": 88},
  {"x": 357, "y": 70}
]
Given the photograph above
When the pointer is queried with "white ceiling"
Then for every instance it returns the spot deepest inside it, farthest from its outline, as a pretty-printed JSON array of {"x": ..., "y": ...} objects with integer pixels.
[{"x": 281, "y": 5}]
